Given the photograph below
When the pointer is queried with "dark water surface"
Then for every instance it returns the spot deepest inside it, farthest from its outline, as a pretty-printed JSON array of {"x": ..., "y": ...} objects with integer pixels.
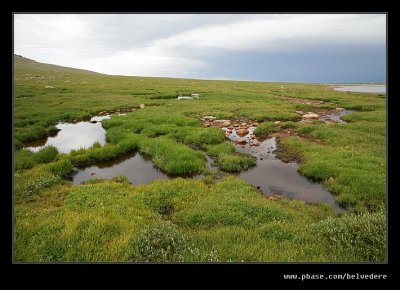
[{"x": 273, "y": 176}]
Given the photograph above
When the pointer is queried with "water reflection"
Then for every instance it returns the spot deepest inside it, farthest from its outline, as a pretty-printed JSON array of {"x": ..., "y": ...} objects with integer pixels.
[{"x": 72, "y": 136}]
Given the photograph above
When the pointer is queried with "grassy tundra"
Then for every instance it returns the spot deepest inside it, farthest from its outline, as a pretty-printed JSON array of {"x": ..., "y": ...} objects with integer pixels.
[{"x": 185, "y": 219}]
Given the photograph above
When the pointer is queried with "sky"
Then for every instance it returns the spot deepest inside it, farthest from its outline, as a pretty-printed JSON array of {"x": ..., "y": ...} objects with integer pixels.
[{"x": 321, "y": 48}]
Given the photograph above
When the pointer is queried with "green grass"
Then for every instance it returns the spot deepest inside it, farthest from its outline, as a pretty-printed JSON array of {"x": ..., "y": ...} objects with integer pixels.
[
  {"x": 24, "y": 159},
  {"x": 173, "y": 157},
  {"x": 228, "y": 159},
  {"x": 226, "y": 221},
  {"x": 265, "y": 129},
  {"x": 186, "y": 219}
]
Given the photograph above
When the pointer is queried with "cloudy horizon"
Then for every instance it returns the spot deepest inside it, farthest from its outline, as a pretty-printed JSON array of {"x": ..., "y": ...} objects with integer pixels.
[{"x": 323, "y": 48}]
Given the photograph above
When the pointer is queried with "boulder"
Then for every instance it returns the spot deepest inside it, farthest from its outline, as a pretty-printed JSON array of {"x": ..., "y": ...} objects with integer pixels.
[
  {"x": 274, "y": 197},
  {"x": 243, "y": 124},
  {"x": 242, "y": 132},
  {"x": 210, "y": 118},
  {"x": 222, "y": 123},
  {"x": 241, "y": 141},
  {"x": 310, "y": 116}
]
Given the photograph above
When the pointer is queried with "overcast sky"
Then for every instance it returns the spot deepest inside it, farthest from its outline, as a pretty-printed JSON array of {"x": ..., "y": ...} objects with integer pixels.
[{"x": 261, "y": 47}]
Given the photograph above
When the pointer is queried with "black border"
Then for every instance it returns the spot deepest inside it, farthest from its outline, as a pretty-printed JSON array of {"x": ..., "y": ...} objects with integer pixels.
[{"x": 232, "y": 273}]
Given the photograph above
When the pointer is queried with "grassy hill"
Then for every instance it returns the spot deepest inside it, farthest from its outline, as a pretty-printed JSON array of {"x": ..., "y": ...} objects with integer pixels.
[{"x": 207, "y": 219}]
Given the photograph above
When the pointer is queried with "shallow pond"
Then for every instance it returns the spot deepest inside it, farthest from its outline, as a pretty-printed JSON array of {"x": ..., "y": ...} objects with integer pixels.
[
  {"x": 73, "y": 136},
  {"x": 377, "y": 89},
  {"x": 138, "y": 168},
  {"x": 274, "y": 177}
]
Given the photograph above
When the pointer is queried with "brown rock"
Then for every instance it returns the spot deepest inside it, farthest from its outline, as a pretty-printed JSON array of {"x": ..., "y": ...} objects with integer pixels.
[
  {"x": 255, "y": 124},
  {"x": 274, "y": 197},
  {"x": 331, "y": 179},
  {"x": 222, "y": 123},
  {"x": 253, "y": 137},
  {"x": 93, "y": 173},
  {"x": 142, "y": 106},
  {"x": 242, "y": 132},
  {"x": 339, "y": 109},
  {"x": 243, "y": 124},
  {"x": 209, "y": 118},
  {"x": 311, "y": 115},
  {"x": 256, "y": 144},
  {"x": 241, "y": 141},
  {"x": 277, "y": 122}
]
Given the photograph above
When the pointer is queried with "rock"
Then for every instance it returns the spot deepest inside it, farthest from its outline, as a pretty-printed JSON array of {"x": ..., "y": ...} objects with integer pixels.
[
  {"x": 310, "y": 116},
  {"x": 300, "y": 112},
  {"x": 49, "y": 87},
  {"x": 222, "y": 123},
  {"x": 243, "y": 124},
  {"x": 93, "y": 173},
  {"x": 255, "y": 124},
  {"x": 242, "y": 132},
  {"x": 253, "y": 137},
  {"x": 142, "y": 106},
  {"x": 206, "y": 125},
  {"x": 229, "y": 131},
  {"x": 67, "y": 81},
  {"x": 235, "y": 125},
  {"x": 256, "y": 144},
  {"x": 274, "y": 197},
  {"x": 210, "y": 118},
  {"x": 277, "y": 122},
  {"x": 258, "y": 187},
  {"x": 185, "y": 98},
  {"x": 195, "y": 95},
  {"x": 230, "y": 127},
  {"x": 331, "y": 179},
  {"x": 241, "y": 141},
  {"x": 339, "y": 109}
]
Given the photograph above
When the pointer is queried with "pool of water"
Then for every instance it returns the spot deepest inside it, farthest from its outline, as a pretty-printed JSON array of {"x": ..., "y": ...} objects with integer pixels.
[
  {"x": 138, "y": 168},
  {"x": 73, "y": 136},
  {"x": 274, "y": 177},
  {"x": 377, "y": 89}
]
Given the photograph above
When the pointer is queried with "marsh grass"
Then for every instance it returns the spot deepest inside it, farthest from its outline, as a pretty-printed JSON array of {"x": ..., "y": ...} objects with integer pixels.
[{"x": 186, "y": 219}]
